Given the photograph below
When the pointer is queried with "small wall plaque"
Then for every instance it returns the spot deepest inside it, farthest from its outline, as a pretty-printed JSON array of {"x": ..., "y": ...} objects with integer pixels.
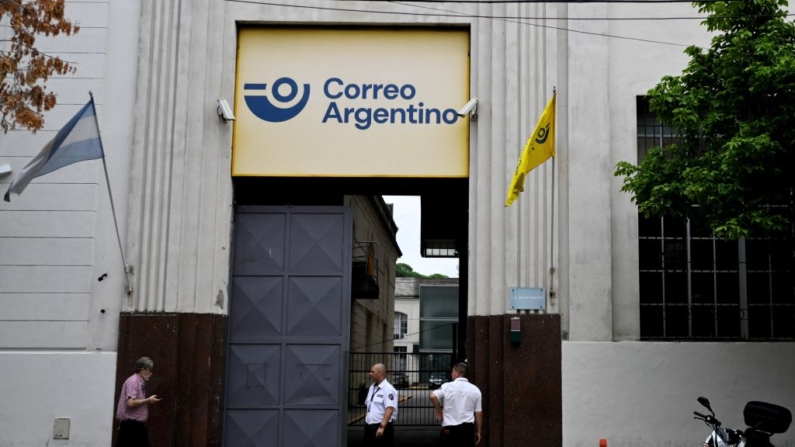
[{"x": 528, "y": 298}]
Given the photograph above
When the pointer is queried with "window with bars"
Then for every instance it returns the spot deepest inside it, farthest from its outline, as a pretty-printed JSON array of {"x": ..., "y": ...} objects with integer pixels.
[
  {"x": 694, "y": 286},
  {"x": 401, "y": 325}
]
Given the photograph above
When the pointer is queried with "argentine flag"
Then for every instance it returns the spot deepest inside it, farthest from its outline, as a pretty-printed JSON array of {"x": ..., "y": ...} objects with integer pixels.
[{"x": 78, "y": 140}]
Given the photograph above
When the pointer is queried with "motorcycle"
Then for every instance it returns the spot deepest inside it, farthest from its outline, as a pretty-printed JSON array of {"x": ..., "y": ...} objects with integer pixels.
[{"x": 763, "y": 421}]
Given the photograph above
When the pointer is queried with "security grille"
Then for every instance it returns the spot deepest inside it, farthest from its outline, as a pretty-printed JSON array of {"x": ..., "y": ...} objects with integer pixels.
[
  {"x": 414, "y": 375},
  {"x": 694, "y": 286}
]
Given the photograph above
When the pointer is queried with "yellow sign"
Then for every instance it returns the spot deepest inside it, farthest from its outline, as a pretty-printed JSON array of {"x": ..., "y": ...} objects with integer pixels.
[{"x": 328, "y": 102}]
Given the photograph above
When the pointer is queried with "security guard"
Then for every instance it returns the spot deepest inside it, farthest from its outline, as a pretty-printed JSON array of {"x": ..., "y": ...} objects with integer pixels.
[
  {"x": 382, "y": 409},
  {"x": 462, "y": 416}
]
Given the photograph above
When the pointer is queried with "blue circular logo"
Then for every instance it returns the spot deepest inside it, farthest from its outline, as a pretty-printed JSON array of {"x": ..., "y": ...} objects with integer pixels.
[{"x": 262, "y": 107}]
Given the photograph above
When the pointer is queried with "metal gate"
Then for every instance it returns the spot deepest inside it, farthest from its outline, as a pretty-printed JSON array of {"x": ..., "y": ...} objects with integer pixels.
[
  {"x": 288, "y": 327},
  {"x": 414, "y": 375}
]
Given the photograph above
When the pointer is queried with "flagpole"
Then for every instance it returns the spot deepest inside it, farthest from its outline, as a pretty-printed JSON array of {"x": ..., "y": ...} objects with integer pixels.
[
  {"x": 552, "y": 232},
  {"x": 552, "y": 215},
  {"x": 127, "y": 267}
]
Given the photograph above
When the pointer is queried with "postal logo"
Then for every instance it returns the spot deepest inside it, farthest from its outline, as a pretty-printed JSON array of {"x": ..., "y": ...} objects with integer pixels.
[
  {"x": 543, "y": 134},
  {"x": 262, "y": 107}
]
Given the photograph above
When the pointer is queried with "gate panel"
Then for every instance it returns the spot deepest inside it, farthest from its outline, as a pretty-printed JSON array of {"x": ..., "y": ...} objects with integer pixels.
[
  {"x": 311, "y": 428},
  {"x": 258, "y": 308},
  {"x": 314, "y": 306},
  {"x": 251, "y": 427},
  {"x": 289, "y": 322},
  {"x": 253, "y": 375},
  {"x": 313, "y": 375}
]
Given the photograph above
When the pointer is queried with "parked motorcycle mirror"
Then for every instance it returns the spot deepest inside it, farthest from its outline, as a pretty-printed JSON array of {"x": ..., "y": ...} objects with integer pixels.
[{"x": 705, "y": 402}]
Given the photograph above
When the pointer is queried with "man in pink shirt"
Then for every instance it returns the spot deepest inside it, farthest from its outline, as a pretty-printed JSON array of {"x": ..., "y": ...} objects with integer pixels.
[{"x": 133, "y": 408}]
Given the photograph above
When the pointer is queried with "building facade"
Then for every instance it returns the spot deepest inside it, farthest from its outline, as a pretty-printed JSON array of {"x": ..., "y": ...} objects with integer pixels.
[
  {"x": 409, "y": 330},
  {"x": 584, "y": 368}
]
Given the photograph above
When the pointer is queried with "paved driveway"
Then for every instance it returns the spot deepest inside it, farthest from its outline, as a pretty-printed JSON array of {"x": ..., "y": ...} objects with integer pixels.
[{"x": 404, "y": 436}]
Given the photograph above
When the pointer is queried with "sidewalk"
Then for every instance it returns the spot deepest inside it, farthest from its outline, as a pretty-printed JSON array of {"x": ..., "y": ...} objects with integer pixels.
[{"x": 407, "y": 436}]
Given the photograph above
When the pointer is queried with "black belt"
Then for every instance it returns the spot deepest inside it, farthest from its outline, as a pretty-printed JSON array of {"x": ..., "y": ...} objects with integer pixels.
[
  {"x": 465, "y": 424},
  {"x": 378, "y": 425}
]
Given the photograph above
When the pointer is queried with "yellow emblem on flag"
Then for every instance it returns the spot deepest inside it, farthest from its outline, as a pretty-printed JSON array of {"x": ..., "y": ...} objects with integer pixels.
[{"x": 540, "y": 147}]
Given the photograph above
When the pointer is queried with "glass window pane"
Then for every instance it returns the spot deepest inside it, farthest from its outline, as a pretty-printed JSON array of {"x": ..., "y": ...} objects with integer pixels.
[
  {"x": 703, "y": 321},
  {"x": 675, "y": 287},
  {"x": 649, "y": 227},
  {"x": 651, "y": 322},
  {"x": 674, "y": 227},
  {"x": 759, "y": 322},
  {"x": 756, "y": 254},
  {"x": 675, "y": 255},
  {"x": 650, "y": 254},
  {"x": 728, "y": 321},
  {"x": 699, "y": 228},
  {"x": 726, "y": 255},
  {"x": 784, "y": 322},
  {"x": 703, "y": 287},
  {"x": 651, "y": 285},
  {"x": 728, "y": 287},
  {"x": 436, "y": 335},
  {"x": 676, "y": 321},
  {"x": 783, "y": 292},
  {"x": 758, "y": 287},
  {"x": 701, "y": 254},
  {"x": 438, "y": 301},
  {"x": 781, "y": 255}
]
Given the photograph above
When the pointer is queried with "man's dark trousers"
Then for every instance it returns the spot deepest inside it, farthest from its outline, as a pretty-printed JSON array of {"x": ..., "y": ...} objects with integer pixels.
[
  {"x": 458, "y": 436},
  {"x": 384, "y": 441},
  {"x": 132, "y": 434}
]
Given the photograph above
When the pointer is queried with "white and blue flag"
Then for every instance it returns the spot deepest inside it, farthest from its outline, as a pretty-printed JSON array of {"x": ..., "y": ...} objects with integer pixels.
[{"x": 78, "y": 140}]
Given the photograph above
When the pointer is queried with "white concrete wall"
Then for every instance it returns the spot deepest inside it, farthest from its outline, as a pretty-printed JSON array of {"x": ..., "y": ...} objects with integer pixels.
[
  {"x": 643, "y": 394},
  {"x": 410, "y": 307},
  {"x": 604, "y": 77},
  {"x": 38, "y": 387},
  {"x": 58, "y": 237},
  {"x": 56, "y": 320},
  {"x": 407, "y": 301},
  {"x": 635, "y": 67}
]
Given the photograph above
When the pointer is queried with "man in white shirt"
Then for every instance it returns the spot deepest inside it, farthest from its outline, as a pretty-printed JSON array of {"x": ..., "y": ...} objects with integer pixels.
[
  {"x": 382, "y": 408},
  {"x": 459, "y": 405}
]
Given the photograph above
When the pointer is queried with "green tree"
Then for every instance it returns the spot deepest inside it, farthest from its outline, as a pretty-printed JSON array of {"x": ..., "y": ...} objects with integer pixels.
[
  {"x": 733, "y": 109},
  {"x": 406, "y": 271},
  {"x": 23, "y": 68}
]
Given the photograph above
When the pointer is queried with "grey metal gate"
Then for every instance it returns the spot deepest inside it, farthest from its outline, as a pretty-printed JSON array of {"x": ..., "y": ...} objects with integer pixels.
[{"x": 288, "y": 327}]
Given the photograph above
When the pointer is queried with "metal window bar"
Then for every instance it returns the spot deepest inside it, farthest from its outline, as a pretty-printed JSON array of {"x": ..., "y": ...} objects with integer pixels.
[{"x": 780, "y": 305}]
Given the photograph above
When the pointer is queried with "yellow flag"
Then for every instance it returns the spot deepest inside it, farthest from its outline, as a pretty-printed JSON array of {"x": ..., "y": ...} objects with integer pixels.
[{"x": 538, "y": 149}]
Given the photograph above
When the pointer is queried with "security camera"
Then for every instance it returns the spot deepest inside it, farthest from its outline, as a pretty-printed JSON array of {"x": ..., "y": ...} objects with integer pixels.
[
  {"x": 224, "y": 111},
  {"x": 470, "y": 108},
  {"x": 5, "y": 169}
]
